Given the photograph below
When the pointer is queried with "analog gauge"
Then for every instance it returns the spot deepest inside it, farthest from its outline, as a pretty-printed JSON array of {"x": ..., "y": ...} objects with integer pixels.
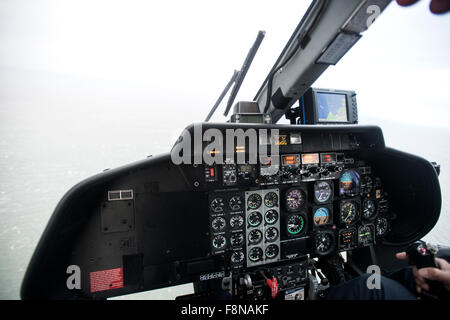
[
  {"x": 254, "y": 219},
  {"x": 322, "y": 191},
  {"x": 271, "y": 216},
  {"x": 255, "y": 236},
  {"x": 271, "y": 234},
  {"x": 382, "y": 226},
  {"x": 365, "y": 235},
  {"x": 295, "y": 224},
  {"x": 295, "y": 199},
  {"x": 323, "y": 242},
  {"x": 218, "y": 224},
  {"x": 237, "y": 256},
  {"x": 255, "y": 254},
  {"x": 272, "y": 251},
  {"x": 236, "y": 221},
  {"x": 321, "y": 216},
  {"x": 349, "y": 213},
  {"x": 271, "y": 199},
  {"x": 368, "y": 209},
  {"x": 254, "y": 201},
  {"x": 219, "y": 242},
  {"x": 237, "y": 239},
  {"x": 349, "y": 183},
  {"x": 217, "y": 205},
  {"x": 235, "y": 203}
]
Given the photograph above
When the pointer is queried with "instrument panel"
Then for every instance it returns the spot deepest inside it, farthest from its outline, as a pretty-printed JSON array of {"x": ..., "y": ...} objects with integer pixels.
[
  {"x": 310, "y": 204},
  {"x": 156, "y": 223}
]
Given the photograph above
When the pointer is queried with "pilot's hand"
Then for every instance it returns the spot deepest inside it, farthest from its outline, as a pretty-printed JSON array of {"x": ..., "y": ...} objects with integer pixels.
[
  {"x": 422, "y": 275},
  {"x": 436, "y": 6}
]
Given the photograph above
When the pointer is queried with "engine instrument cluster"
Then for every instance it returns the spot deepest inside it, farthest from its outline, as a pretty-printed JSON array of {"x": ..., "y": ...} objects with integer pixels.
[{"x": 312, "y": 203}]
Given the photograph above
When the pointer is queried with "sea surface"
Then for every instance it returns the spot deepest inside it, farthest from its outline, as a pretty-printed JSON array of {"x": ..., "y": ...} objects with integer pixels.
[{"x": 56, "y": 131}]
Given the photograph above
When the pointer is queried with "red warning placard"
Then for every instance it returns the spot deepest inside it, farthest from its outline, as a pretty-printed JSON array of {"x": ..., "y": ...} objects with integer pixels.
[{"x": 106, "y": 279}]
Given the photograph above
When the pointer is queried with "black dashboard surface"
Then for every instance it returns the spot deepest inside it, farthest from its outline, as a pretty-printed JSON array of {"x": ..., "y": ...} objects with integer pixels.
[{"x": 154, "y": 224}]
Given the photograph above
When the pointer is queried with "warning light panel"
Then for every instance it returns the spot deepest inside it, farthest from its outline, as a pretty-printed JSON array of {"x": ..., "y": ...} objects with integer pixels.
[
  {"x": 240, "y": 149},
  {"x": 328, "y": 157},
  {"x": 214, "y": 152},
  {"x": 280, "y": 140},
  {"x": 290, "y": 160},
  {"x": 310, "y": 158}
]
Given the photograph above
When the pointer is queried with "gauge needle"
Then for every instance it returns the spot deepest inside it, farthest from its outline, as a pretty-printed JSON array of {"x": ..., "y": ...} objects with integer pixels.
[{"x": 349, "y": 214}]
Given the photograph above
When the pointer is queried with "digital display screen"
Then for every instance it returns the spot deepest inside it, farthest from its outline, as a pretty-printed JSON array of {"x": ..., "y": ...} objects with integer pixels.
[
  {"x": 331, "y": 107},
  {"x": 328, "y": 157},
  {"x": 290, "y": 160},
  {"x": 245, "y": 168},
  {"x": 266, "y": 161},
  {"x": 251, "y": 118},
  {"x": 280, "y": 140},
  {"x": 310, "y": 158},
  {"x": 269, "y": 165}
]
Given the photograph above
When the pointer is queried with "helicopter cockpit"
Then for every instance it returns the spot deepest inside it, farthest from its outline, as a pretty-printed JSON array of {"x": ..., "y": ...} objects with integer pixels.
[{"x": 250, "y": 208}]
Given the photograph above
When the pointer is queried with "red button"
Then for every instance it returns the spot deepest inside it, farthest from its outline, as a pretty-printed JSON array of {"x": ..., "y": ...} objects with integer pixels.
[{"x": 211, "y": 172}]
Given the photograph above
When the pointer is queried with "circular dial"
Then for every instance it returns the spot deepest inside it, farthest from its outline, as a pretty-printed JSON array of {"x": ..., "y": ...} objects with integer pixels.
[
  {"x": 217, "y": 205},
  {"x": 237, "y": 239},
  {"x": 254, "y": 201},
  {"x": 254, "y": 219},
  {"x": 368, "y": 208},
  {"x": 295, "y": 224},
  {"x": 321, "y": 216},
  {"x": 322, "y": 191},
  {"x": 219, "y": 242},
  {"x": 271, "y": 216},
  {"x": 365, "y": 235},
  {"x": 323, "y": 242},
  {"x": 255, "y": 236},
  {"x": 255, "y": 254},
  {"x": 237, "y": 256},
  {"x": 271, "y": 199},
  {"x": 271, "y": 234},
  {"x": 218, "y": 224},
  {"x": 236, "y": 221},
  {"x": 349, "y": 183},
  {"x": 272, "y": 251},
  {"x": 382, "y": 226},
  {"x": 348, "y": 213},
  {"x": 235, "y": 203},
  {"x": 295, "y": 199}
]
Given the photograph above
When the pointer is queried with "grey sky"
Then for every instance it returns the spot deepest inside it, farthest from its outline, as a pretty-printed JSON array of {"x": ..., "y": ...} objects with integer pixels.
[{"x": 190, "y": 48}]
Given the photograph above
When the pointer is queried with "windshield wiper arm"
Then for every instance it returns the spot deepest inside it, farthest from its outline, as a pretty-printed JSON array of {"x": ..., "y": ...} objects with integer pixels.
[
  {"x": 243, "y": 72},
  {"x": 224, "y": 92},
  {"x": 237, "y": 78}
]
